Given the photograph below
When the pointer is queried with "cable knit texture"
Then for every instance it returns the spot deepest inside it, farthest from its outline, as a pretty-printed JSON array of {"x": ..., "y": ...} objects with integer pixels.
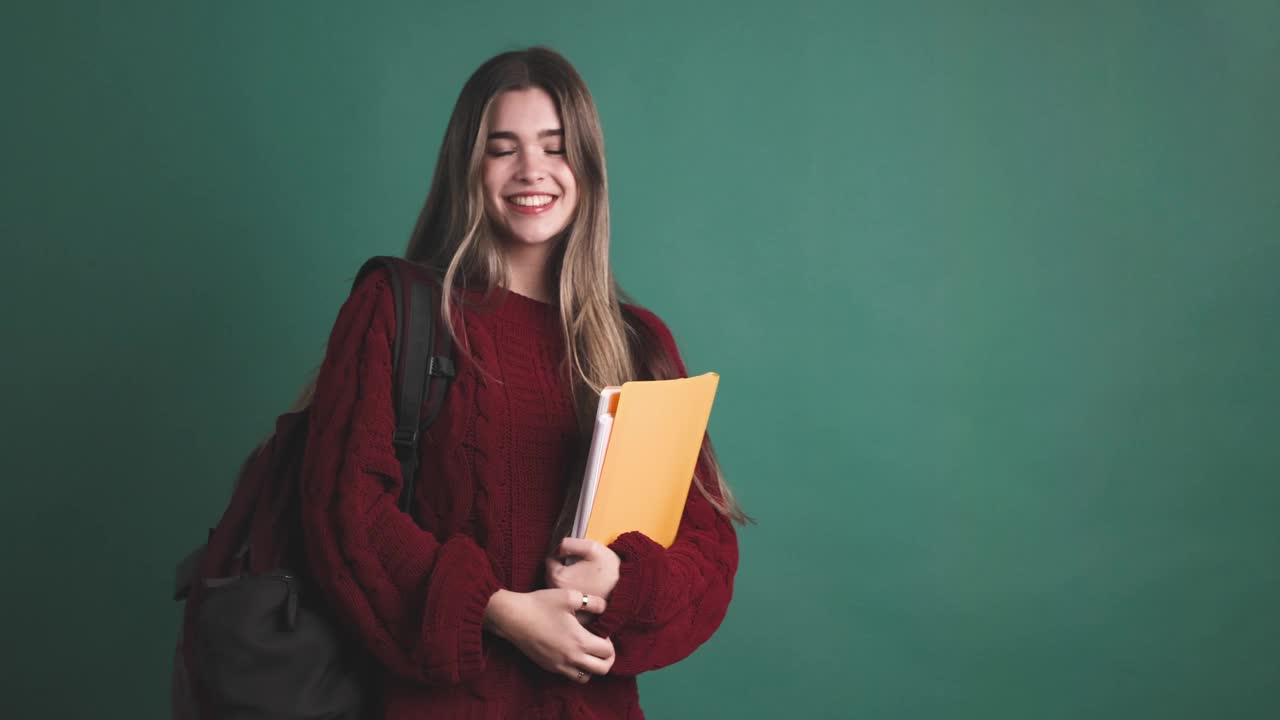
[{"x": 494, "y": 473}]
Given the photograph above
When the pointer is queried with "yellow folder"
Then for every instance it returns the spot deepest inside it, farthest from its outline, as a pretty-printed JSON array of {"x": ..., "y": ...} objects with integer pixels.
[{"x": 646, "y": 444}]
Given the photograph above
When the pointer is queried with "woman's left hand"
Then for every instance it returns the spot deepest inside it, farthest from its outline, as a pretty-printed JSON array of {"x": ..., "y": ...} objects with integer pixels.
[{"x": 593, "y": 568}]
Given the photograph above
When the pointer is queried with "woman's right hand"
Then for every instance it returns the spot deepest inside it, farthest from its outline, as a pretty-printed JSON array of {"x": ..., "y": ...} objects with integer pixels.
[{"x": 544, "y": 626}]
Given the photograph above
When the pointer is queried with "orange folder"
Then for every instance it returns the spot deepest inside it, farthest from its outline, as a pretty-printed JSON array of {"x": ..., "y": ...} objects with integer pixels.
[{"x": 646, "y": 443}]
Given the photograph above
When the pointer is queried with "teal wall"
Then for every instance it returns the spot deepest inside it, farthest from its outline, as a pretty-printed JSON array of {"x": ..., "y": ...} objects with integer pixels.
[{"x": 993, "y": 288}]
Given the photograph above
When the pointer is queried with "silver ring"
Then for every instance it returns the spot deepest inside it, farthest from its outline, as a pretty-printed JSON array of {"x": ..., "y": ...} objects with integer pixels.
[
  {"x": 581, "y": 674},
  {"x": 585, "y": 598}
]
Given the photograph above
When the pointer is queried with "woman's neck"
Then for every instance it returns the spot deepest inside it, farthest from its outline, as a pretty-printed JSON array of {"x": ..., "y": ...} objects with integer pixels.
[{"x": 529, "y": 272}]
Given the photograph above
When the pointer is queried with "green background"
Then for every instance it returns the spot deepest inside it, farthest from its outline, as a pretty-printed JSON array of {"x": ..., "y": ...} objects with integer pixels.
[{"x": 993, "y": 289}]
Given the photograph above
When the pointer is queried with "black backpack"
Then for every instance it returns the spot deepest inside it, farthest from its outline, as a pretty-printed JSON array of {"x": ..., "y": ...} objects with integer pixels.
[{"x": 257, "y": 639}]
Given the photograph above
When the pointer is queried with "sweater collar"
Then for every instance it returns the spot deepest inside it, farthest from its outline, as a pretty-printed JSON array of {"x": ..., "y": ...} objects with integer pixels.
[{"x": 514, "y": 307}]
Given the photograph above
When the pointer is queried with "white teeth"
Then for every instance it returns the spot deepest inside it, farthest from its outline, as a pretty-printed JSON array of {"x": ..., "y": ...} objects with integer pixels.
[{"x": 531, "y": 200}]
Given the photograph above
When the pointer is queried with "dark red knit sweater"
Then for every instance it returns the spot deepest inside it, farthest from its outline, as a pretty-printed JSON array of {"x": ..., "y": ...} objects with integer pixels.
[{"x": 494, "y": 473}]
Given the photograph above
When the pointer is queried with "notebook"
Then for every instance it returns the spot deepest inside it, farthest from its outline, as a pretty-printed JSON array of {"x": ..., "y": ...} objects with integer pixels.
[{"x": 643, "y": 451}]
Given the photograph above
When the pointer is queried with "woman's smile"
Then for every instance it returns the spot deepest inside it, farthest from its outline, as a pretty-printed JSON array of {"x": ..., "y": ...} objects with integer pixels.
[{"x": 531, "y": 203}]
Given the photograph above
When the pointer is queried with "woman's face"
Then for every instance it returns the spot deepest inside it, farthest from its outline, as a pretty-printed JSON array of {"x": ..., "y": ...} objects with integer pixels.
[{"x": 530, "y": 192}]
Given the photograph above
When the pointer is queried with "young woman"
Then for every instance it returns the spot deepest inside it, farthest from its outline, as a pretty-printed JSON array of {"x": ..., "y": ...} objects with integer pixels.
[{"x": 472, "y": 610}]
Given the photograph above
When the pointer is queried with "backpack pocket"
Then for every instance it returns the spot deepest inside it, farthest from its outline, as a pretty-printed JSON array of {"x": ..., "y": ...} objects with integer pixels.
[{"x": 263, "y": 651}]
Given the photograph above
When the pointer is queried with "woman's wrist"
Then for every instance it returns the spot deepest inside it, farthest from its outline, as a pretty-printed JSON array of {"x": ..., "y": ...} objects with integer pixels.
[{"x": 497, "y": 612}]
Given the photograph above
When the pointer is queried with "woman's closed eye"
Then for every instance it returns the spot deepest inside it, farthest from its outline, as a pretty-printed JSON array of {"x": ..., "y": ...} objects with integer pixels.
[{"x": 499, "y": 152}]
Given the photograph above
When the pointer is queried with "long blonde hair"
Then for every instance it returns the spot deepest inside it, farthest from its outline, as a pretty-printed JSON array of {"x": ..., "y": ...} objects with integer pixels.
[{"x": 605, "y": 345}]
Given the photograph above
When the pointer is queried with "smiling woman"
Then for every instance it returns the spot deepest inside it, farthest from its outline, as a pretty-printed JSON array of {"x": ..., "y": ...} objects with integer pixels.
[
  {"x": 472, "y": 604},
  {"x": 530, "y": 192}
]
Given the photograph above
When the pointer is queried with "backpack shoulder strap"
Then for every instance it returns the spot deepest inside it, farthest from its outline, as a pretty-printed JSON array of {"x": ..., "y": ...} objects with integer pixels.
[{"x": 422, "y": 360}]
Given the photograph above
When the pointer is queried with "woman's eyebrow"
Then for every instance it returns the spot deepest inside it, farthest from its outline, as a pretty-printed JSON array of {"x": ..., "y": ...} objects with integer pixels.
[{"x": 508, "y": 135}]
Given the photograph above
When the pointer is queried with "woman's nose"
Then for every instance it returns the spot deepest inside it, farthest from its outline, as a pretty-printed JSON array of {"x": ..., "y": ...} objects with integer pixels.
[{"x": 530, "y": 168}]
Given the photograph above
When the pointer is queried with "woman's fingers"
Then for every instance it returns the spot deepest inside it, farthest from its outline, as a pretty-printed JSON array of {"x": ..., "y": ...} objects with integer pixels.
[
  {"x": 578, "y": 547},
  {"x": 594, "y": 665},
  {"x": 598, "y": 647},
  {"x": 556, "y": 572},
  {"x": 589, "y": 665},
  {"x": 578, "y": 602},
  {"x": 543, "y": 626}
]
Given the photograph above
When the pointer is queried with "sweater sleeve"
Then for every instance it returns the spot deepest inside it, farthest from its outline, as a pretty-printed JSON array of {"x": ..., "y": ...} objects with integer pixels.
[
  {"x": 416, "y": 603},
  {"x": 668, "y": 601}
]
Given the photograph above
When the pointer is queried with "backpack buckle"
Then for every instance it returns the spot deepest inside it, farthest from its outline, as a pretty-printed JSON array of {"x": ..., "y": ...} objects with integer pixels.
[
  {"x": 440, "y": 367},
  {"x": 405, "y": 438}
]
